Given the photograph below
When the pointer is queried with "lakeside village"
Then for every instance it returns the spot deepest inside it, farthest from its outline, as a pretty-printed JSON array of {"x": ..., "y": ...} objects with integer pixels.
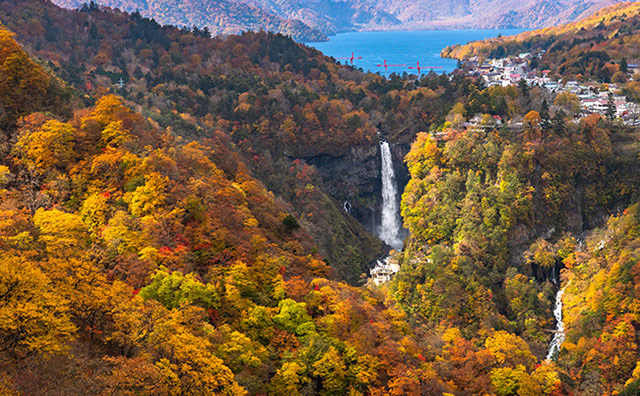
[{"x": 604, "y": 99}]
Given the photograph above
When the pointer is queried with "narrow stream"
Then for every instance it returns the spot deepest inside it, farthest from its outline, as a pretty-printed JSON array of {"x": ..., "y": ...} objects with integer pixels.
[{"x": 558, "y": 336}]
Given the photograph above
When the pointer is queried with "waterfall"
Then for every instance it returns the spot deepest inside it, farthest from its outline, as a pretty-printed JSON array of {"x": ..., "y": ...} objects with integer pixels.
[
  {"x": 558, "y": 337},
  {"x": 390, "y": 225}
]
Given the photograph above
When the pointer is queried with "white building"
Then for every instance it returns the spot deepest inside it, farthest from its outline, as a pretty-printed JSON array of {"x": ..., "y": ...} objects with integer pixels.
[{"x": 384, "y": 271}]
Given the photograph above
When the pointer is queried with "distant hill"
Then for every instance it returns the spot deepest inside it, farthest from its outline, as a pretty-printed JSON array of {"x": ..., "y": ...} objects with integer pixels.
[
  {"x": 219, "y": 16},
  {"x": 336, "y": 16},
  {"x": 312, "y": 20},
  {"x": 598, "y": 45},
  {"x": 333, "y": 16}
]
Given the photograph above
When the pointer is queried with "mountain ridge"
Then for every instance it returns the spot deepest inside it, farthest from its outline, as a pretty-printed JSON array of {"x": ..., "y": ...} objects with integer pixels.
[
  {"x": 316, "y": 19},
  {"x": 221, "y": 17},
  {"x": 427, "y": 14}
]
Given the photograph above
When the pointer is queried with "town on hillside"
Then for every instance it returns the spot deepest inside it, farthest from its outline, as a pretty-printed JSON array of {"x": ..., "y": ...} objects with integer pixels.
[{"x": 593, "y": 97}]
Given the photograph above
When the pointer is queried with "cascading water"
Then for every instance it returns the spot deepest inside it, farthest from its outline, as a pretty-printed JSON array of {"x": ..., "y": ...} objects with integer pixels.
[
  {"x": 390, "y": 227},
  {"x": 558, "y": 337}
]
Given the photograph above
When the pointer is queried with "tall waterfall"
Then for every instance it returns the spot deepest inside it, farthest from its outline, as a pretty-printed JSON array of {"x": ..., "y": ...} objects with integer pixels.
[
  {"x": 390, "y": 226},
  {"x": 558, "y": 337}
]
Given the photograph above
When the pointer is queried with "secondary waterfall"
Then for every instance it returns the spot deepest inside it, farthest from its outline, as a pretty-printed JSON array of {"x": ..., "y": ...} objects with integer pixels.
[
  {"x": 558, "y": 337},
  {"x": 390, "y": 225}
]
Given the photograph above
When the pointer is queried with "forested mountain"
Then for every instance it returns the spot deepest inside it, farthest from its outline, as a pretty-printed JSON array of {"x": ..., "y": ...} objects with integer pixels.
[
  {"x": 258, "y": 90},
  {"x": 172, "y": 222},
  {"x": 94, "y": 205},
  {"x": 338, "y": 16},
  {"x": 216, "y": 16},
  {"x": 305, "y": 19},
  {"x": 334, "y": 16}
]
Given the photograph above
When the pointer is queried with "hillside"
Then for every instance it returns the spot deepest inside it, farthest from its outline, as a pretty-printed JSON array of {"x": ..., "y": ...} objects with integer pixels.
[
  {"x": 601, "y": 287},
  {"x": 137, "y": 265},
  {"x": 334, "y": 16},
  {"x": 187, "y": 215},
  {"x": 219, "y": 16},
  {"x": 593, "y": 47},
  {"x": 304, "y": 20},
  {"x": 247, "y": 100},
  {"x": 429, "y": 14},
  {"x": 161, "y": 264},
  {"x": 339, "y": 16}
]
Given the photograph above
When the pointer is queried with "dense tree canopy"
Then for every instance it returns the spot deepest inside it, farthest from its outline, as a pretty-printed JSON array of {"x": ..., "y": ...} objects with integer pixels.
[{"x": 179, "y": 236}]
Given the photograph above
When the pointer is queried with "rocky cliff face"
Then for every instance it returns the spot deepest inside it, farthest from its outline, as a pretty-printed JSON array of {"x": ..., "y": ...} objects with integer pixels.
[
  {"x": 354, "y": 180},
  {"x": 344, "y": 211}
]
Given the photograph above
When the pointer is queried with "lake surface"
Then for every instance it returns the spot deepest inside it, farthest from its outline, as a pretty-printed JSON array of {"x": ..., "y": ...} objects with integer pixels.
[{"x": 403, "y": 47}]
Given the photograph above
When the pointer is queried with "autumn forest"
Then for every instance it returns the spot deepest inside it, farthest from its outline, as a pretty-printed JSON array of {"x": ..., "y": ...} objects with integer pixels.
[{"x": 173, "y": 221}]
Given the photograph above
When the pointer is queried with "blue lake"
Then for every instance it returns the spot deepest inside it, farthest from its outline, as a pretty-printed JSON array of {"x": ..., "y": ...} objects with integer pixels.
[{"x": 403, "y": 47}]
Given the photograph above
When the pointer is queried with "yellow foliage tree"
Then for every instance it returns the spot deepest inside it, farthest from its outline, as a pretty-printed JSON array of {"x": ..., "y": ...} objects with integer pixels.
[
  {"x": 332, "y": 370},
  {"x": 33, "y": 315},
  {"x": 423, "y": 156},
  {"x": 108, "y": 108},
  {"x": 532, "y": 125},
  {"x": 288, "y": 379},
  {"x": 48, "y": 147},
  {"x": 92, "y": 298},
  {"x": 147, "y": 198},
  {"x": 22, "y": 81},
  {"x": 64, "y": 234},
  {"x": 121, "y": 233},
  {"x": 114, "y": 134},
  {"x": 186, "y": 362},
  {"x": 94, "y": 212},
  {"x": 509, "y": 350},
  {"x": 175, "y": 342}
]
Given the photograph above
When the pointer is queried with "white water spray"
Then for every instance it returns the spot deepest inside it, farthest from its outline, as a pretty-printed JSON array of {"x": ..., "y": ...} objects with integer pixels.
[
  {"x": 390, "y": 226},
  {"x": 558, "y": 336}
]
